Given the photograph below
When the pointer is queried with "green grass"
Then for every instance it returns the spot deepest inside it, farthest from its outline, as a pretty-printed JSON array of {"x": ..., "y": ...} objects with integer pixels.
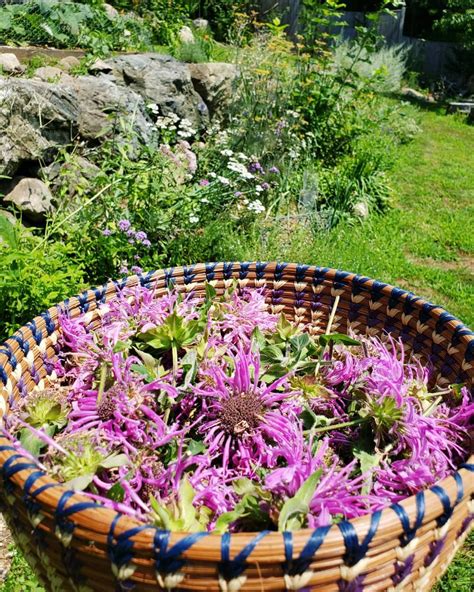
[{"x": 425, "y": 244}]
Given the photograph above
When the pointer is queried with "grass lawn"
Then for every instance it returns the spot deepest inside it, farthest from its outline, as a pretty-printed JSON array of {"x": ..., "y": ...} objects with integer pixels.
[{"x": 425, "y": 244}]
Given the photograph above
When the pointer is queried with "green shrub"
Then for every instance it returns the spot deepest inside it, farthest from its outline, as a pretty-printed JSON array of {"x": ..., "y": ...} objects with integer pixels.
[
  {"x": 34, "y": 274},
  {"x": 72, "y": 24}
]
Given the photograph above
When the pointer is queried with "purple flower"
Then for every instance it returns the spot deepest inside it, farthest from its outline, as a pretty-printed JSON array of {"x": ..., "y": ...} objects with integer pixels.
[
  {"x": 146, "y": 243},
  {"x": 265, "y": 185},
  {"x": 137, "y": 270},
  {"x": 204, "y": 182},
  {"x": 255, "y": 167},
  {"x": 241, "y": 415},
  {"x": 141, "y": 236},
  {"x": 124, "y": 225},
  {"x": 106, "y": 232},
  {"x": 275, "y": 170},
  {"x": 238, "y": 194}
]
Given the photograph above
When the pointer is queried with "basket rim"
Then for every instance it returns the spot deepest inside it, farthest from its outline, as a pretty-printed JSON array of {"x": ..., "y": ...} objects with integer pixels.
[{"x": 209, "y": 543}]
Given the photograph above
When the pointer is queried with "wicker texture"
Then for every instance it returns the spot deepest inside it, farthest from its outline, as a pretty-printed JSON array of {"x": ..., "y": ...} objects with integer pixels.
[{"x": 74, "y": 544}]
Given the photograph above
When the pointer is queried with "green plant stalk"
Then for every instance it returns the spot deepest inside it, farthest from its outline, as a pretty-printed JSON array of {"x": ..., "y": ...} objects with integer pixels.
[{"x": 337, "y": 426}]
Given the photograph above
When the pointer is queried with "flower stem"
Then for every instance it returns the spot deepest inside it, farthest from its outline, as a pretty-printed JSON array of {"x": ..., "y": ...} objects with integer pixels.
[{"x": 336, "y": 426}]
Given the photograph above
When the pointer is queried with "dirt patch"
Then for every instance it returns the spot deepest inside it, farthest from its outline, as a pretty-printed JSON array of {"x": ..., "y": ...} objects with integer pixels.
[
  {"x": 464, "y": 264},
  {"x": 5, "y": 541}
]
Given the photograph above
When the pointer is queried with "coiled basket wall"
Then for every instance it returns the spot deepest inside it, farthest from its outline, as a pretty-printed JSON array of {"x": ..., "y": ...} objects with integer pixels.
[{"x": 74, "y": 544}]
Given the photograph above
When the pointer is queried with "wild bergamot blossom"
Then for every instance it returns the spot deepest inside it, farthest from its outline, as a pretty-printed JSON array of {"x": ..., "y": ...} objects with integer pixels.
[{"x": 219, "y": 411}]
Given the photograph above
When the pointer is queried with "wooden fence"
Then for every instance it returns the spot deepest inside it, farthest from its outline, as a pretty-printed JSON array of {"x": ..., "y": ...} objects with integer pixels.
[{"x": 433, "y": 58}]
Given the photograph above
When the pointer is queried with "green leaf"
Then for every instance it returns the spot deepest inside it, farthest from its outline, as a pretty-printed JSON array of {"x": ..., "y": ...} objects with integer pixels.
[
  {"x": 80, "y": 483},
  {"x": 116, "y": 493},
  {"x": 115, "y": 460},
  {"x": 227, "y": 518},
  {"x": 337, "y": 338},
  {"x": 294, "y": 510},
  {"x": 121, "y": 346},
  {"x": 196, "y": 447},
  {"x": 31, "y": 442},
  {"x": 8, "y": 232}
]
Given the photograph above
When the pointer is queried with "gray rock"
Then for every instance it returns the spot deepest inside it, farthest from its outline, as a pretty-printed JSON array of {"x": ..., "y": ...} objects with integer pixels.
[
  {"x": 361, "y": 209},
  {"x": 214, "y": 82},
  {"x": 413, "y": 94},
  {"x": 32, "y": 197},
  {"x": 101, "y": 103},
  {"x": 9, "y": 64},
  {"x": 36, "y": 118},
  {"x": 100, "y": 66},
  {"x": 201, "y": 23},
  {"x": 49, "y": 74},
  {"x": 68, "y": 63},
  {"x": 112, "y": 12},
  {"x": 163, "y": 81},
  {"x": 185, "y": 35}
]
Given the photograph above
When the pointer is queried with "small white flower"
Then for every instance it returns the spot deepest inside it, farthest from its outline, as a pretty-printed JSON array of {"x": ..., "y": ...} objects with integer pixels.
[
  {"x": 212, "y": 174},
  {"x": 227, "y": 152},
  {"x": 258, "y": 188},
  {"x": 153, "y": 107},
  {"x": 126, "y": 33},
  {"x": 293, "y": 154},
  {"x": 184, "y": 133},
  {"x": 239, "y": 168},
  {"x": 242, "y": 156},
  {"x": 204, "y": 200},
  {"x": 256, "y": 206},
  {"x": 194, "y": 219},
  {"x": 223, "y": 180}
]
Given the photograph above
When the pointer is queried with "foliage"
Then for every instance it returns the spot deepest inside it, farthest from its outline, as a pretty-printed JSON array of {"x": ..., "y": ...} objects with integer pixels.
[
  {"x": 457, "y": 22},
  {"x": 34, "y": 274},
  {"x": 72, "y": 24}
]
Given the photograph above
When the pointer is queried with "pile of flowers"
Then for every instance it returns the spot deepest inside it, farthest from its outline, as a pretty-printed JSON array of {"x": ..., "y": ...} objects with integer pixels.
[{"x": 213, "y": 413}]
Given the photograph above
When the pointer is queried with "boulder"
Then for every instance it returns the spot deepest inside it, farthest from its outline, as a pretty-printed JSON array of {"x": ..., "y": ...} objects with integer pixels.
[
  {"x": 112, "y": 12},
  {"x": 36, "y": 118},
  {"x": 32, "y": 197},
  {"x": 68, "y": 63},
  {"x": 101, "y": 103},
  {"x": 201, "y": 23},
  {"x": 163, "y": 81},
  {"x": 100, "y": 66},
  {"x": 9, "y": 64},
  {"x": 361, "y": 210},
  {"x": 185, "y": 35},
  {"x": 214, "y": 81},
  {"x": 49, "y": 74}
]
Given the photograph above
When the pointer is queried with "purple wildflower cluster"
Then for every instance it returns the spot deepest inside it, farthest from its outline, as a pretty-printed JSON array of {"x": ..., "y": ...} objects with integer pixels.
[
  {"x": 133, "y": 236},
  {"x": 215, "y": 414}
]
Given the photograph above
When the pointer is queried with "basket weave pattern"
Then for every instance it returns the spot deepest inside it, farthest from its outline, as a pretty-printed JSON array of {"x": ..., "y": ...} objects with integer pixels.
[{"x": 74, "y": 544}]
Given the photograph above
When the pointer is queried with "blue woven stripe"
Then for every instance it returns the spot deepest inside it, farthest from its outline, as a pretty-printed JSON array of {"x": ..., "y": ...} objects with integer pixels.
[
  {"x": 170, "y": 560},
  {"x": 410, "y": 532},
  {"x": 120, "y": 551},
  {"x": 233, "y": 568},
  {"x": 356, "y": 551},
  {"x": 9, "y": 469},
  {"x": 468, "y": 466},
  {"x": 301, "y": 564},
  {"x": 446, "y": 503}
]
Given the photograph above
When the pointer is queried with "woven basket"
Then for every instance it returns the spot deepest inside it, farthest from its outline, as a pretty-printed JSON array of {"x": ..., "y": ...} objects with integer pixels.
[{"x": 74, "y": 544}]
